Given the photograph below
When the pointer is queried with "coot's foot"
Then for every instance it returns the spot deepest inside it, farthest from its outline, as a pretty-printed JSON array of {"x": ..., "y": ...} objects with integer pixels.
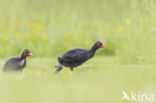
[
  {"x": 72, "y": 69},
  {"x": 59, "y": 68}
]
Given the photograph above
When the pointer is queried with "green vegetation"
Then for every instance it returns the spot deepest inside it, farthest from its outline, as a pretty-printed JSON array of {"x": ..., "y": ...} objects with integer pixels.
[
  {"x": 51, "y": 27},
  {"x": 99, "y": 80}
]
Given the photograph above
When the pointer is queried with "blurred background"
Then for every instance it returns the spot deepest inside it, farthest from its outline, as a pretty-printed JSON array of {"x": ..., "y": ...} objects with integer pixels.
[{"x": 49, "y": 28}]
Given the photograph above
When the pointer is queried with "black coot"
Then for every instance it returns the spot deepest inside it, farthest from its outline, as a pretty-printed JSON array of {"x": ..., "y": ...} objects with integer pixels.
[
  {"x": 17, "y": 63},
  {"x": 76, "y": 57}
]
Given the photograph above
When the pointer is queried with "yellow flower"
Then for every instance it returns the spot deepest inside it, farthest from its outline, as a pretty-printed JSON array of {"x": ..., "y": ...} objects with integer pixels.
[
  {"x": 39, "y": 27},
  {"x": 134, "y": 14},
  {"x": 60, "y": 17},
  {"x": 38, "y": 74},
  {"x": 55, "y": 25},
  {"x": 45, "y": 38},
  {"x": 31, "y": 24},
  {"x": 5, "y": 38},
  {"x": 16, "y": 34},
  {"x": 36, "y": 32},
  {"x": 68, "y": 35},
  {"x": 120, "y": 29},
  {"x": 18, "y": 22},
  {"x": 127, "y": 21},
  {"x": 97, "y": 24},
  {"x": 145, "y": 1}
]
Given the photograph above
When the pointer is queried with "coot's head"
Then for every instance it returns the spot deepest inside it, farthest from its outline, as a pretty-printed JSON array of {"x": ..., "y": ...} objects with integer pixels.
[
  {"x": 26, "y": 53},
  {"x": 99, "y": 44}
]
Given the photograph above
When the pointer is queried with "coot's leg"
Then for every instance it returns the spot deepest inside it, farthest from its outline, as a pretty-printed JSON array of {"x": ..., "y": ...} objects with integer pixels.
[
  {"x": 59, "y": 68},
  {"x": 72, "y": 69}
]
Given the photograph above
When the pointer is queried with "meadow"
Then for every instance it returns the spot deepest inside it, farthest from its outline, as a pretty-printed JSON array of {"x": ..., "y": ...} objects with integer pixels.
[{"x": 49, "y": 28}]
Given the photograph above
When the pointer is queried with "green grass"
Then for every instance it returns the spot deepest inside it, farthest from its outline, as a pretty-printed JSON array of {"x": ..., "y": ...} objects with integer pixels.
[
  {"x": 101, "y": 80},
  {"x": 48, "y": 28}
]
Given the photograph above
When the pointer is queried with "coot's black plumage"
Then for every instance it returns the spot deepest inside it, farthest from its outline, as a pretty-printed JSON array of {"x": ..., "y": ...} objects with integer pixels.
[
  {"x": 17, "y": 63},
  {"x": 78, "y": 56}
]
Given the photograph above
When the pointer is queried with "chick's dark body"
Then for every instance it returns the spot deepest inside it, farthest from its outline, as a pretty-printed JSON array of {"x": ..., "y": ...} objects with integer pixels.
[
  {"x": 78, "y": 56},
  {"x": 14, "y": 64},
  {"x": 75, "y": 57}
]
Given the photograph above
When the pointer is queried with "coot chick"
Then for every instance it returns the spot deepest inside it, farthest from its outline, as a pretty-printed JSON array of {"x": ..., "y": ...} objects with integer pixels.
[
  {"x": 17, "y": 64},
  {"x": 78, "y": 56}
]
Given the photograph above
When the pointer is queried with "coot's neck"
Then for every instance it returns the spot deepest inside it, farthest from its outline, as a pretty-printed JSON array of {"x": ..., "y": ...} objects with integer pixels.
[
  {"x": 94, "y": 49},
  {"x": 23, "y": 56}
]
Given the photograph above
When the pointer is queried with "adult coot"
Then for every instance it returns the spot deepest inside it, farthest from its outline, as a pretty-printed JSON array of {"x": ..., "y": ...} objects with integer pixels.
[
  {"x": 15, "y": 64},
  {"x": 78, "y": 56}
]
